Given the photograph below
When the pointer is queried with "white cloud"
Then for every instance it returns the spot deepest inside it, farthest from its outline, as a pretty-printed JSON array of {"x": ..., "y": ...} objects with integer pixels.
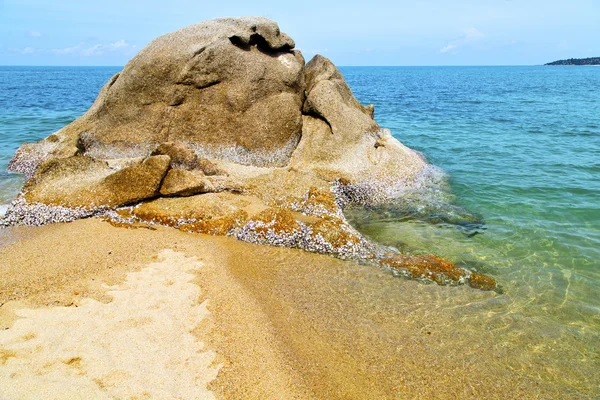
[
  {"x": 469, "y": 36},
  {"x": 119, "y": 44},
  {"x": 26, "y": 50},
  {"x": 447, "y": 48},
  {"x": 68, "y": 50},
  {"x": 35, "y": 34},
  {"x": 95, "y": 50}
]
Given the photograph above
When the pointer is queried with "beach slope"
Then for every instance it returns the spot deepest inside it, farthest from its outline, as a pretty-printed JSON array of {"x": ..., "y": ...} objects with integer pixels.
[{"x": 100, "y": 311}]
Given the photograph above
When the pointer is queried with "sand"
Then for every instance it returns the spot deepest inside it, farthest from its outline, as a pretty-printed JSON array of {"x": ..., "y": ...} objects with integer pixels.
[
  {"x": 138, "y": 345},
  {"x": 276, "y": 323}
]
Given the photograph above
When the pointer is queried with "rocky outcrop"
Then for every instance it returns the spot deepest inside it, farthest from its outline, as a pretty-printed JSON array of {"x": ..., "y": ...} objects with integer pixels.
[
  {"x": 221, "y": 128},
  {"x": 235, "y": 90},
  {"x": 180, "y": 182},
  {"x": 232, "y": 88},
  {"x": 182, "y": 157},
  {"x": 340, "y": 139},
  {"x": 83, "y": 182}
]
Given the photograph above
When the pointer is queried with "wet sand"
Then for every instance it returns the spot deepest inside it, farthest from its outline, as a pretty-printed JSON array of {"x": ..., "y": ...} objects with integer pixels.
[{"x": 282, "y": 323}]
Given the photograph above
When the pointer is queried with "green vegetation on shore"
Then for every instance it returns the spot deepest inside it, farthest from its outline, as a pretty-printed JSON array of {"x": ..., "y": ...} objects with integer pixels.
[{"x": 577, "y": 61}]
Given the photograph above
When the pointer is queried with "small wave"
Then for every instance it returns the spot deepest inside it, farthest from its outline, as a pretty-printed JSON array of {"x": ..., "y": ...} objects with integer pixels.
[
  {"x": 3, "y": 209},
  {"x": 429, "y": 198},
  {"x": 430, "y": 179},
  {"x": 585, "y": 133}
]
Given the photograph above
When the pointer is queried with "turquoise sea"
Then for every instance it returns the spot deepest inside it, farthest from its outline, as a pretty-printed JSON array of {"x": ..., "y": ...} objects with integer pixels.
[
  {"x": 520, "y": 199},
  {"x": 521, "y": 146}
]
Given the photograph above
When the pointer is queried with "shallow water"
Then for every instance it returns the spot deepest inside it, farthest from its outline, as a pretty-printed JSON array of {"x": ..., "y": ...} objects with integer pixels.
[
  {"x": 520, "y": 201},
  {"x": 521, "y": 146}
]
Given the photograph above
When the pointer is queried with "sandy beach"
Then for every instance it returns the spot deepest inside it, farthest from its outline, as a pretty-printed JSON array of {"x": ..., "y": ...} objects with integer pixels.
[
  {"x": 89, "y": 310},
  {"x": 139, "y": 345}
]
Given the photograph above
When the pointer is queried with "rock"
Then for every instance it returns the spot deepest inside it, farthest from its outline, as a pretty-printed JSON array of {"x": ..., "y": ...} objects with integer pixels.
[
  {"x": 232, "y": 88},
  {"x": 335, "y": 232},
  {"x": 218, "y": 225},
  {"x": 320, "y": 202},
  {"x": 273, "y": 226},
  {"x": 330, "y": 99},
  {"x": 326, "y": 235},
  {"x": 22, "y": 213},
  {"x": 66, "y": 181},
  {"x": 482, "y": 282},
  {"x": 212, "y": 213},
  {"x": 182, "y": 157},
  {"x": 180, "y": 182},
  {"x": 81, "y": 181},
  {"x": 437, "y": 269},
  {"x": 341, "y": 140},
  {"x": 277, "y": 220},
  {"x": 224, "y": 183},
  {"x": 136, "y": 183},
  {"x": 427, "y": 267},
  {"x": 286, "y": 188},
  {"x": 29, "y": 155},
  {"x": 210, "y": 168}
]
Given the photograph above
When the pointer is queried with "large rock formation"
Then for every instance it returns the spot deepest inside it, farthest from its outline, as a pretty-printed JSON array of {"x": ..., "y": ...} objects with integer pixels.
[
  {"x": 234, "y": 89},
  {"x": 221, "y": 128},
  {"x": 83, "y": 182},
  {"x": 340, "y": 139}
]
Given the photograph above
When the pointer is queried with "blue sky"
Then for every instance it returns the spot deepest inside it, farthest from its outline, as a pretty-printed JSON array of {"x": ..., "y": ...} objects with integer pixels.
[{"x": 377, "y": 32}]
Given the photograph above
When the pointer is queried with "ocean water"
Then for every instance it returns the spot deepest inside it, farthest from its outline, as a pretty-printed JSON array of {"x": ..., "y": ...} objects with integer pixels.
[
  {"x": 521, "y": 147},
  {"x": 519, "y": 198}
]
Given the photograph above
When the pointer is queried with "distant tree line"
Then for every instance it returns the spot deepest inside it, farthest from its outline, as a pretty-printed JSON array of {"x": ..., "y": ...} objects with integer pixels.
[{"x": 577, "y": 61}]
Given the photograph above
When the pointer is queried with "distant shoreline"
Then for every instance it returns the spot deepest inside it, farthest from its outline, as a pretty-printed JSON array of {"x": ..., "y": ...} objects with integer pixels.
[{"x": 592, "y": 61}]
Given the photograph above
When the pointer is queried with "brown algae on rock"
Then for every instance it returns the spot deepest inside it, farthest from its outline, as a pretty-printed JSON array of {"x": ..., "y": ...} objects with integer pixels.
[{"x": 436, "y": 269}]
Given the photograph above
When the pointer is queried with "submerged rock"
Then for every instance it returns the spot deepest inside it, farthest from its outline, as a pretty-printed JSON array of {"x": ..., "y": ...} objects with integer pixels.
[
  {"x": 483, "y": 282},
  {"x": 221, "y": 128},
  {"x": 438, "y": 270}
]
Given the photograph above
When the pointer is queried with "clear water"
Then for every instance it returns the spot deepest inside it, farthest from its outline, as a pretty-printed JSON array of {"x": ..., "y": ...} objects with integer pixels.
[{"x": 521, "y": 146}]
